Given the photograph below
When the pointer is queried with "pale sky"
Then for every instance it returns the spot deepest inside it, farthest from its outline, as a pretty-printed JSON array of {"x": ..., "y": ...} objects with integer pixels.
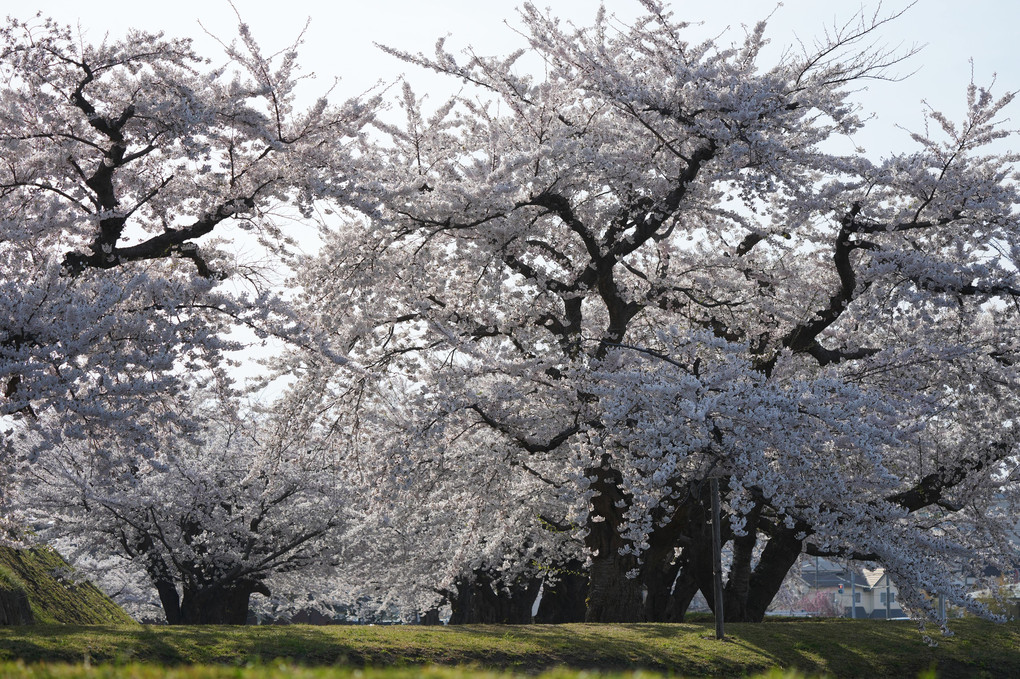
[{"x": 340, "y": 39}]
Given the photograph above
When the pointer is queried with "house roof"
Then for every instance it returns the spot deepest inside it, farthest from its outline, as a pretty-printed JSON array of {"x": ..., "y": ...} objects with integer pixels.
[
  {"x": 874, "y": 578},
  {"x": 830, "y": 574},
  {"x": 827, "y": 580}
]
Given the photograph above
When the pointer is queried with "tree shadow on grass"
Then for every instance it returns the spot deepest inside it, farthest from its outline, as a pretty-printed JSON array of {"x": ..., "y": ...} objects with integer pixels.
[
  {"x": 170, "y": 646},
  {"x": 845, "y": 648},
  {"x": 871, "y": 649},
  {"x": 671, "y": 648}
]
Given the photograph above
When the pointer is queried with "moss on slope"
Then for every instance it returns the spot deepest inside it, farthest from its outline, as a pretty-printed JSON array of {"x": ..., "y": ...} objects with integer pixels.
[{"x": 54, "y": 596}]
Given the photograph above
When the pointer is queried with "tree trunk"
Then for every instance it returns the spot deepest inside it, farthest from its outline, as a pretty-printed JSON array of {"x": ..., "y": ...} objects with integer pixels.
[
  {"x": 780, "y": 554},
  {"x": 690, "y": 528},
  {"x": 480, "y": 599},
  {"x": 749, "y": 592},
  {"x": 657, "y": 577},
  {"x": 612, "y": 596},
  {"x": 162, "y": 578},
  {"x": 171, "y": 601},
  {"x": 564, "y": 600},
  {"x": 684, "y": 589},
  {"x": 666, "y": 584},
  {"x": 738, "y": 584},
  {"x": 218, "y": 605},
  {"x": 430, "y": 617},
  {"x": 664, "y": 572},
  {"x": 670, "y": 598}
]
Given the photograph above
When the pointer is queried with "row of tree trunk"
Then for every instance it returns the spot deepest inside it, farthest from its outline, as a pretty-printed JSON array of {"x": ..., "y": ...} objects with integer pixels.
[
  {"x": 482, "y": 598},
  {"x": 614, "y": 587},
  {"x": 657, "y": 587}
]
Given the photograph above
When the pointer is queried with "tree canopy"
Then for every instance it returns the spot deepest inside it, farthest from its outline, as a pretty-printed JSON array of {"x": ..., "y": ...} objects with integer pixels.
[{"x": 653, "y": 265}]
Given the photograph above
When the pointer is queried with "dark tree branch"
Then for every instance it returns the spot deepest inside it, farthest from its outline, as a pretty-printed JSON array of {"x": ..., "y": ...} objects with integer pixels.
[
  {"x": 931, "y": 489},
  {"x": 749, "y": 241},
  {"x": 519, "y": 439},
  {"x": 826, "y": 356},
  {"x": 560, "y": 206},
  {"x": 168, "y": 243},
  {"x": 647, "y": 218},
  {"x": 803, "y": 336}
]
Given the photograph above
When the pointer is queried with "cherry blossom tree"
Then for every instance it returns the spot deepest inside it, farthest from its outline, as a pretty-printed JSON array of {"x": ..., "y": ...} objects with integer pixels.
[
  {"x": 654, "y": 264},
  {"x": 435, "y": 517},
  {"x": 212, "y": 517},
  {"x": 121, "y": 162}
]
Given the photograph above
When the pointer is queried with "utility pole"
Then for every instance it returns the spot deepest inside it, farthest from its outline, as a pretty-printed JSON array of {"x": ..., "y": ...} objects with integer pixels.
[
  {"x": 717, "y": 558},
  {"x": 853, "y": 593},
  {"x": 888, "y": 604}
]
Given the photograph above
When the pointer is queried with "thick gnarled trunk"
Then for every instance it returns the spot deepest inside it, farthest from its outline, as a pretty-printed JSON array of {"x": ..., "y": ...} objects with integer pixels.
[
  {"x": 780, "y": 554},
  {"x": 171, "y": 601},
  {"x": 564, "y": 600},
  {"x": 429, "y": 617},
  {"x": 480, "y": 599},
  {"x": 738, "y": 584},
  {"x": 209, "y": 604},
  {"x": 612, "y": 595},
  {"x": 678, "y": 563}
]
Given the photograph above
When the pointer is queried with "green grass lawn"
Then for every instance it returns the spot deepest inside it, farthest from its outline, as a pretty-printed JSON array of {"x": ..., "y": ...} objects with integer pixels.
[
  {"x": 838, "y": 648},
  {"x": 283, "y": 671}
]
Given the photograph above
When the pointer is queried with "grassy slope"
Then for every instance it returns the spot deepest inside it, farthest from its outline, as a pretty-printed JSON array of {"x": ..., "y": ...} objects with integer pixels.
[
  {"x": 841, "y": 648},
  {"x": 56, "y": 600}
]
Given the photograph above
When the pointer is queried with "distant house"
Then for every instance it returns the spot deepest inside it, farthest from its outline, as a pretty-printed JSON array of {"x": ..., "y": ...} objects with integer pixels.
[
  {"x": 876, "y": 596},
  {"x": 872, "y": 593}
]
